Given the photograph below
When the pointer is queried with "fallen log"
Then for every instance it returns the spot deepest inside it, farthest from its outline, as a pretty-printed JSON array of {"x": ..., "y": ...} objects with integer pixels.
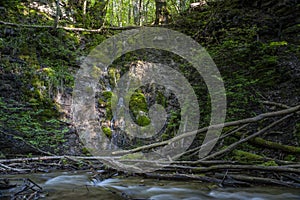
[
  {"x": 187, "y": 177},
  {"x": 243, "y": 140},
  {"x": 216, "y": 126},
  {"x": 259, "y": 180},
  {"x": 274, "y": 145}
]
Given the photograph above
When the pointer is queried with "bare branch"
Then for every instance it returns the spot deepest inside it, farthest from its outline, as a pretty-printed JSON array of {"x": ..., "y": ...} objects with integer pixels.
[
  {"x": 69, "y": 28},
  {"x": 217, "y": 126},
  {"x": 232, "y": 146}
]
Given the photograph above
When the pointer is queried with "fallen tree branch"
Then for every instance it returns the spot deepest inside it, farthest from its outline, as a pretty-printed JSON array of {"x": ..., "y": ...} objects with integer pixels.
[
  {"x": 255, "y": 180},
  {"x": 43, "y": 158},
  {"x": 196, "y": 150},
  {"x": 69, "y": 28},
  {"x": 168, "y": 163},
  {"x": 193, "y": 177},
  {"x": 271, "y": 103},
  {"x": 217, "y": 126},
  {"x": 7, "y": 168},
  {"x": 294, "y": 169},
  {"x": 274, "y": 145},
  {"x": 232, "y": 146}
]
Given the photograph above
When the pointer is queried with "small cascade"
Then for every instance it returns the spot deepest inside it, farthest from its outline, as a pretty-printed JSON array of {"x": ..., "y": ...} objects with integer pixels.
[
  {"x": 112, "y": 144},
  {"x": 184, "y": 131},
  {"x": 117, "y": 126},
  {"x": 108, "y": 88}
]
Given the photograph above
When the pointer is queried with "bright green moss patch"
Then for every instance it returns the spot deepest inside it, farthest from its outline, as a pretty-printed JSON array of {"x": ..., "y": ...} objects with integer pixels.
[
  {"x": 107, "y": 131},
  {"x": 270, "y": 163},
  {"x": 143, "y": 120},
  {"x": 138, "y": 107}
]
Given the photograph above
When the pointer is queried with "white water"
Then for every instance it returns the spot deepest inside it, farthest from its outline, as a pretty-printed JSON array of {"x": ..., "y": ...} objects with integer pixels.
[{"x": 81, "y": 186}]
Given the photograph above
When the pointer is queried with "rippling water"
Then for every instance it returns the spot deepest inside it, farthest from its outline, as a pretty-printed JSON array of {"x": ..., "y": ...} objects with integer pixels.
[{"x": 79, "y": 186}]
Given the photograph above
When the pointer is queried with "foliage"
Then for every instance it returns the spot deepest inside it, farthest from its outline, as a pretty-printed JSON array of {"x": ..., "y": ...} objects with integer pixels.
[{"x": 47, "y": 133}]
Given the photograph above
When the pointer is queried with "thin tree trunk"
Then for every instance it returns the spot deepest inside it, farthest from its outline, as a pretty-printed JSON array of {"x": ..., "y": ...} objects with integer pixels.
[
  {"x": 161, "y": 12},
  {"x": 57, "y": 14},
  {"x": 146, "y": 11},
  {"x": 112, "y": 13},
  {"x": 84, "y": 12},
  {"x": 140, "y": 21}
]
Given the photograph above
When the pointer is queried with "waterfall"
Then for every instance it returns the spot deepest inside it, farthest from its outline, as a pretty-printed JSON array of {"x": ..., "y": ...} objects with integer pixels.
[{"x": 116, "y": 126}]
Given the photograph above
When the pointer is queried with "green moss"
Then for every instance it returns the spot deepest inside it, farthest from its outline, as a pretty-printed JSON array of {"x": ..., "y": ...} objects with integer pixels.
[
  {"x": 106, "y": 101},
  {"x": 85, "y": 151},
  {"x": 270, "y": 163},
  {"x": 133, "y": 156},
  {"x": 275, "y": 145},
  {"x": 96, "y": 72},
  {"x": 138, "y": 107},
  {"x": 165, "y": 136},
  {"x": 138, "y": 103},
  {"x": 107, "y": 131},
  {"x": 290, "y": 158},
  {"x": 107, "y": 95},
  {"x": 143, "y": 120},
  {"x": 246, "y": 157},
  {"x": 109, "y": 114},
  {"x": 161, "y": 99}
]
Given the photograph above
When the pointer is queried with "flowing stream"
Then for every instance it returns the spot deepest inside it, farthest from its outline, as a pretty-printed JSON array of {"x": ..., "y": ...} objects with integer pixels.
[{"x": 80, "y": 186}]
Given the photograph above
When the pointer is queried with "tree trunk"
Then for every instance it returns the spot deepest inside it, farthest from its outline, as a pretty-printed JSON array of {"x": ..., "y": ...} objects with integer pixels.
[
  {"x": 84, "y": 12},
  {"x": 57, "y": 14},
  {"x": 161, "y": 12}
]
